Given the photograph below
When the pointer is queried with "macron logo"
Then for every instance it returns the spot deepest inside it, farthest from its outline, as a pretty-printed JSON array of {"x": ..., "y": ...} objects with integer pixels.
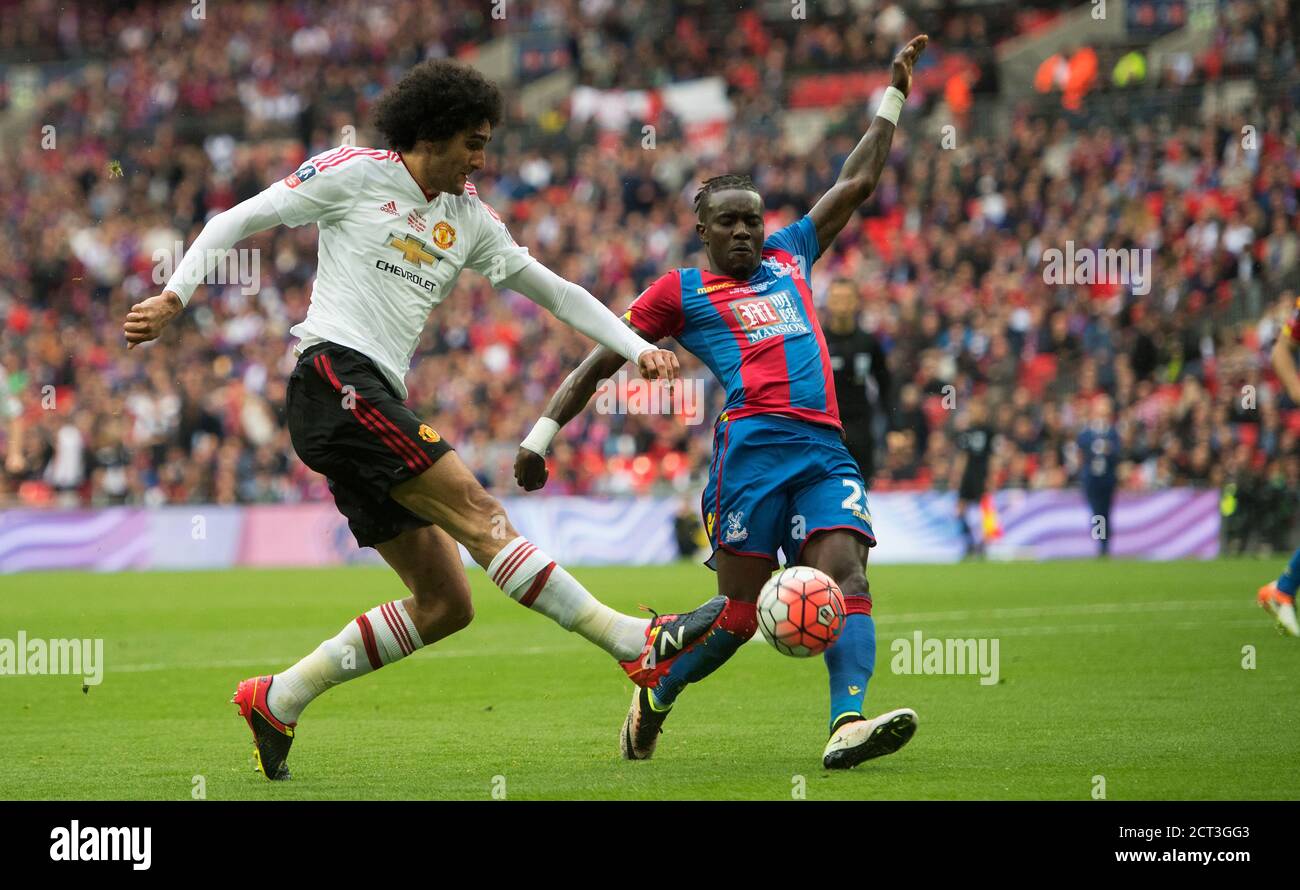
[{"x": 90, "y": 844}]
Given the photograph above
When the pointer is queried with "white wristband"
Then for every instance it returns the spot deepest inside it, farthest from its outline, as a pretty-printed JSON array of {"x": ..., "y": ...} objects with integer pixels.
[
  {"x": 539, "y": 438},
  {"x": 891, "y": 105}
]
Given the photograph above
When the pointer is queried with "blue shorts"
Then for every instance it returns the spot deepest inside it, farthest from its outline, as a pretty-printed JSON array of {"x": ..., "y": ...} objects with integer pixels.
[{"x": 774, "y": 482}]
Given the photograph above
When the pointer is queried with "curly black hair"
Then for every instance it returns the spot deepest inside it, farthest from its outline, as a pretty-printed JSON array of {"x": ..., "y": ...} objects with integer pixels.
[
  {"x": 721, "y": 184},
  {"x": 435, "y": 100}
]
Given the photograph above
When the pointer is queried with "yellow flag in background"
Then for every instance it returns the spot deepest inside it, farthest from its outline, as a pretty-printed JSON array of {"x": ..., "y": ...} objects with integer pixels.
[{"x": 989, "y": 518}]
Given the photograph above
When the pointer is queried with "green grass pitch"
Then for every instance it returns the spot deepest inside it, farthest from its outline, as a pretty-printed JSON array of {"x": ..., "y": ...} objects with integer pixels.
[{"x": 1129, "y": 671}]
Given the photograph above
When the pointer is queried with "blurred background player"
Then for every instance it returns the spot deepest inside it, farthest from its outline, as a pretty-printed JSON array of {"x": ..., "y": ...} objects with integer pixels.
[
  {"x": 781, "y": 478},
  {"x": 863, "y": 386},
  {"x": 1099, "y": 450},
  {"x": 974, "y": 442},
  {"x": 1278, "y": 597}
]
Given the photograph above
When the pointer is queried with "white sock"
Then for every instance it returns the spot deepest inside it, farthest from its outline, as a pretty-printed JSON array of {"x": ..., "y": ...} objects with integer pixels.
[
  {"x": 379, "y": 637},
  {"x": 532, "y": 578}
]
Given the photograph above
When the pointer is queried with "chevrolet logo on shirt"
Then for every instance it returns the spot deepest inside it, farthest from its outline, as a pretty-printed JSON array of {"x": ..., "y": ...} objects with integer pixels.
[{"x": 413, "y": 250}]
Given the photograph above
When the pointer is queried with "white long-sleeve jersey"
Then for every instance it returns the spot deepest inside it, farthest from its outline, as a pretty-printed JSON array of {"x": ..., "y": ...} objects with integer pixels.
[{"x": 389, "y": 254}]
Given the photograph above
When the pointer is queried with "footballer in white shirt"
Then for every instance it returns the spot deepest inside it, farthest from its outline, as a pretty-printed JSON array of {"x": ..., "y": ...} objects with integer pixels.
[{"x": 397, "y": 225}]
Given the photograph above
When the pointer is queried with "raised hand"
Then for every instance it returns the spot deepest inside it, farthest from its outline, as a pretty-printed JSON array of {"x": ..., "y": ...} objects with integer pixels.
[{"x": 904, "y": 61}]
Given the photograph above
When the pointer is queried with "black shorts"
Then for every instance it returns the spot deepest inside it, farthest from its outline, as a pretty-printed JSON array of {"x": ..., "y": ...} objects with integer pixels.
[
  {"x": 348, "y": 424},
  {"x": 972, "y": 485},
  {"x": 858, "y": 439}
]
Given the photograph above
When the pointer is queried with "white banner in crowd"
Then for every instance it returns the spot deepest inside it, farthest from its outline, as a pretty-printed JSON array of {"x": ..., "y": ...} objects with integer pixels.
[{"x": 700, "y": 105}]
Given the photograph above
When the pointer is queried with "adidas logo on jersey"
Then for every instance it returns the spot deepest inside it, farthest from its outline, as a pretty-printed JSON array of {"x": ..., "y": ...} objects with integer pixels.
[{"x": 390, "y": 207}]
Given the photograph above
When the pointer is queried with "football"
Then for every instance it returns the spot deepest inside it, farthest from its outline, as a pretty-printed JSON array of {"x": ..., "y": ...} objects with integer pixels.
[{"x": 801, "y": 611}]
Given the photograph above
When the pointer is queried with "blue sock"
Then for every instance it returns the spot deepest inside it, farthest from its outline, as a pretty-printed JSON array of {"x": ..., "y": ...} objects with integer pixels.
[
  {"x": 733, "y": 627},
  {"x": 850, "y": 662},
  {"x": 1290, "y": 579}
]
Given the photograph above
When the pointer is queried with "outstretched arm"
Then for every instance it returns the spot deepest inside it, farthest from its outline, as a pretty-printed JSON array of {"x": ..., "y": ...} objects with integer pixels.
[
  {"x": 861, "y": 171},
  {"x": 317, "y": 191},
  {"x": 147, "y": 318},
  {"x": 572, "y": 396},
  {"x": 576, "y": 307}
]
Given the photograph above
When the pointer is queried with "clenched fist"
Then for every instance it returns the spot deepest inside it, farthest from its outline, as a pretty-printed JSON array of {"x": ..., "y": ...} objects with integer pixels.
[
  {"x": 530, "y": 469},
  {"x": 147, "y": 319}
]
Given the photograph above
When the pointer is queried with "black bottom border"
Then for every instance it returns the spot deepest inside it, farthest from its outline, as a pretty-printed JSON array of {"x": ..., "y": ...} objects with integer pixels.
[{"x": 806, "y": 839}]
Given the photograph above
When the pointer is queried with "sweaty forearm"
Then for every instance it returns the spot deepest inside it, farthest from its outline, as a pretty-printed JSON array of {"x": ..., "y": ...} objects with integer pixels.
[
  {"x": 581, "y": 384},
  {"x": 864, "y": 164},
  {"x": 860, "y": 173},
  {"x": 572, "y": 396}
]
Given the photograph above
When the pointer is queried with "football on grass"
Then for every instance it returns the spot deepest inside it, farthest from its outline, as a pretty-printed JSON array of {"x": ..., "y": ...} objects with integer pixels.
[{"x": 801, "y": 611}]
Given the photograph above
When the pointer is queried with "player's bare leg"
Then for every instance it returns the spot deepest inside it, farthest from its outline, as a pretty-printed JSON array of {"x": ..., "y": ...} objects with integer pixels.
[
  {"x": 448, "y": 495},
  {"x": 742, "y": 578},
  {"x": 850, "y": 660},
  {"x": 734, "y": 620},
  {"x": 428, "y": 563}
]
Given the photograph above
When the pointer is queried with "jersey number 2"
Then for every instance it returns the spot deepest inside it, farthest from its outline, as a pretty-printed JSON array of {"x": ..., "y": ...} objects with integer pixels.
[{"x": 854, "y": 500}]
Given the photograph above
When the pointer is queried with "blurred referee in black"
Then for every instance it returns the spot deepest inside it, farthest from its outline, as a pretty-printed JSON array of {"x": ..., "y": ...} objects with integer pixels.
[{"x": 862, "y": 383}]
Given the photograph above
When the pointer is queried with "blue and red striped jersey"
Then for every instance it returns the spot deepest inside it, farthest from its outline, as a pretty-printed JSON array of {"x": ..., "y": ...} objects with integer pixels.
[{"x": 759, "y": 337}]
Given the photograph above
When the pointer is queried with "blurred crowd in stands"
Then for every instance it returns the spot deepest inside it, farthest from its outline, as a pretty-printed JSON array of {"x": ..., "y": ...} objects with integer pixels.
[
  {"x": 948, "y": 256},
  {"x": 1250, "y": 39}
]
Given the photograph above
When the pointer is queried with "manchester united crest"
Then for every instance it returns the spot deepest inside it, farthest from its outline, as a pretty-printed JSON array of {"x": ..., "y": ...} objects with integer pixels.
[
  {"x": 427, "y": 434},
  {"x": 444, "y": 235}
]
